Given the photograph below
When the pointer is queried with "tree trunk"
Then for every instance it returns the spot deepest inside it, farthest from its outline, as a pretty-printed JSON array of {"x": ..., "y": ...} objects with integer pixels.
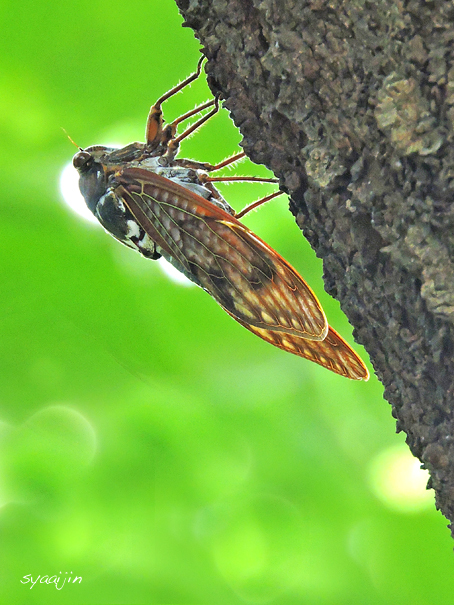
[{"x": 351, "y": 104}]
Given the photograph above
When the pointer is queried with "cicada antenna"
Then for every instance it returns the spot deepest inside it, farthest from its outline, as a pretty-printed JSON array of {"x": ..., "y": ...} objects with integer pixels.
[{"x": 75, "y": 144}]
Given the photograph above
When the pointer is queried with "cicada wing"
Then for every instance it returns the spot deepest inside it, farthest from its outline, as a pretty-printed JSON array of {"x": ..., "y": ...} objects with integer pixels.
[
  {"x": 242, "y": 273},
  {"x": 333, "y": 353}
]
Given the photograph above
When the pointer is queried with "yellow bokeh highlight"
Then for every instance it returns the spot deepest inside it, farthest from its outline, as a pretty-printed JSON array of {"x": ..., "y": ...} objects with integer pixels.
[{"x": 397, "y": 480}]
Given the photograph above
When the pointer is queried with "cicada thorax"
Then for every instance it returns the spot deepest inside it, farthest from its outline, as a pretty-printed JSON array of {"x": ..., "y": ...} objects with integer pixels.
[{"x": 161, "y": 205}]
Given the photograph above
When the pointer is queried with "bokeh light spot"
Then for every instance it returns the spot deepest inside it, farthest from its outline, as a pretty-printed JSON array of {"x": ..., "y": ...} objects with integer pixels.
[
  {"x": 47, "y": 453},
  {"x": 398, "y": 481}
]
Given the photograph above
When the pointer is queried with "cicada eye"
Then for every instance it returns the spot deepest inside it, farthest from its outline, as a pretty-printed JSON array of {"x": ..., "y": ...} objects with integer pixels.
[{"x": 82, "y": 160}]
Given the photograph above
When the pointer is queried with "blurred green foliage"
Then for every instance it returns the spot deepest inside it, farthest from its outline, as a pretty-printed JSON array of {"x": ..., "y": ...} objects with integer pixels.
[{"x": 148, "y": 443}]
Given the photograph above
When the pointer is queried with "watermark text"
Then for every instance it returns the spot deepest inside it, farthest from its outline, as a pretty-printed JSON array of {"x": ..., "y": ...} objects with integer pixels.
[{"x": 58, "y": 580}]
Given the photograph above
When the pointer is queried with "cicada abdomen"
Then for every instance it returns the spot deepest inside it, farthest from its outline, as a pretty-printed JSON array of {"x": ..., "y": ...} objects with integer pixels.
[{"x": 163, "y": 206}]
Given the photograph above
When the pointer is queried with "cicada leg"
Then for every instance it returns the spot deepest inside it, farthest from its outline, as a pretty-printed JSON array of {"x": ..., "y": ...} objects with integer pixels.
[
  {"x": 259, "y": 202},
  {"x": 255, "y": 179},
  {"x": 174, "y": 143},
  {"x": 228, "y": 161},
  {"x": 153, "y": 132},
  {"x": 170, "y": 130}
]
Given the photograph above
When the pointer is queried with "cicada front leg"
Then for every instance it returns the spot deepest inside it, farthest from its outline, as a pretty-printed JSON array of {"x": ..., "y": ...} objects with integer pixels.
[
  {"x": 174, "y": 142},
  {"x": 153, "y": 131}
]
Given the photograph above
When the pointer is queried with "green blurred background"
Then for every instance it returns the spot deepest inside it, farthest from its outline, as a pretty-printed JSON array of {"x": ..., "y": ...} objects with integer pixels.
[{"x": 149, "y": 444}]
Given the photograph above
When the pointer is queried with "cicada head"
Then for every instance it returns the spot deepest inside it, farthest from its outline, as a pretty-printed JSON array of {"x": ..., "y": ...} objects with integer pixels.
[
  {"x": 97, "y": 163},
  {"x": 93, "y": 175}
]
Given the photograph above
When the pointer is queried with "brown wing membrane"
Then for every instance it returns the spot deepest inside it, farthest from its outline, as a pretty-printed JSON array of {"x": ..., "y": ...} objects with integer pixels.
[
  {"x": 333, "y": 353},
  {"x": 242, "y": 273}
]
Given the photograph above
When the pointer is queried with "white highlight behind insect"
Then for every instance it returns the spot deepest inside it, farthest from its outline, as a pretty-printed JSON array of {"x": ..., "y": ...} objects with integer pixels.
[
  {"x": 174, "y": 274},
  {"x": 398, "y": 481},
  {"x": 69, "y": 188}
]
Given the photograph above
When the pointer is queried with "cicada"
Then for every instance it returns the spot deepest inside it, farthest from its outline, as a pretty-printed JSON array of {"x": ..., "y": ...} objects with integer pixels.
[{"x": 160, "y": 205}]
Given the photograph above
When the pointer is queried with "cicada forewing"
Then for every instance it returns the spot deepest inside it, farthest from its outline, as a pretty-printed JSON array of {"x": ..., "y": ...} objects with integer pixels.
[
  {"x": 333, "y": 353},
  {"x": 255, "y": 285}
]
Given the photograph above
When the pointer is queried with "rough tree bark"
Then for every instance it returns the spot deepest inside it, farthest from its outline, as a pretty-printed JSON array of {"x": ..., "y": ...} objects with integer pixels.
[{"x": 351, "y": 104}]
